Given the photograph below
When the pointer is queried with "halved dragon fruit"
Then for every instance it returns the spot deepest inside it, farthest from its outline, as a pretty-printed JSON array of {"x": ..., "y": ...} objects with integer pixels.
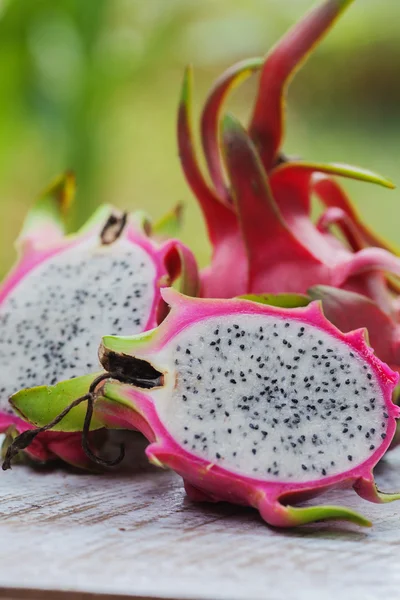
[
  {"x": 66, "y": 291},
  {"x": 259, "y": 219},
  {"x": 249, "y": 403}
]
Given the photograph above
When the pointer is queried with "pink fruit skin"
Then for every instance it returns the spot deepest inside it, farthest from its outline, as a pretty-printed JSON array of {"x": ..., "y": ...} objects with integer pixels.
[
  {"x": 206, "y": 481},
  {"x": 51, "y": 445},
  {"x": 43, "y": 243}
]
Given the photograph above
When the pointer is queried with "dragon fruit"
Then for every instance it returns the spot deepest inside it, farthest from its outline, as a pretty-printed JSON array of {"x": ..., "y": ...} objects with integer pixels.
[
  {"x": 249, "y": 403},
  {"x": 259, "y": 221},
  {"x": 65, "y": 292},
  {"x": 277, "y": 246}
]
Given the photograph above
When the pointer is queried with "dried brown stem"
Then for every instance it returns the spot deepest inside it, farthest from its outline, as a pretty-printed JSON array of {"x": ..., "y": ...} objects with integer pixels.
[{"x": 24, "y": 440}]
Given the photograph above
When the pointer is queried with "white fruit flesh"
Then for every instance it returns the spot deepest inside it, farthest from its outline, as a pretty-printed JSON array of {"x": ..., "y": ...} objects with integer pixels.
[
  {"x": 52, "y": 321},
  {"x": 272, "y": 399}
]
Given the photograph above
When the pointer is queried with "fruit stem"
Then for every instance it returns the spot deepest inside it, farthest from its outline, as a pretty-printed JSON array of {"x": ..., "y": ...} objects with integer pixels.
[
  {"x": 113, "y": 228},
  {"x": 26, "y": 438}
]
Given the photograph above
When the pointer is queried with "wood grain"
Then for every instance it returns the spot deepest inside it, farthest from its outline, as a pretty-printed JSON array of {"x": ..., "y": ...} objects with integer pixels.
[
  {"x": 134, "y": 533},
  {"x": 30, "y": 594}
]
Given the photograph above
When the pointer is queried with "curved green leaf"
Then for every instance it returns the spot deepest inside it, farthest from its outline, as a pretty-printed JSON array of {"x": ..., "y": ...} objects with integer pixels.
[{"x": 40, "y": 405}]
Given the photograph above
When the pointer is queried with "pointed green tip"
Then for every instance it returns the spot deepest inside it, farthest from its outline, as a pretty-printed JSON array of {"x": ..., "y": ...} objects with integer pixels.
[
  {"x": 342, "y": 170},
  {"x": 389, "y": 184},
  {"x": 385, "y": 497},
  {"x": 62, "y": 189},
  {"x": 230, "y": 124},
  {"x": 233, "y": 133},
  {"x": 360, "y": 174},
  {"x": 310, "y": 514},
  {"x": 48, "y": 212},
  {"x": 127, "y": 344},
  {"x": 342, "y": 4},
  {"x": 187, "y": 86},
  {"x": 111, "y": 342},
  {"x": 279, "y": 300}
]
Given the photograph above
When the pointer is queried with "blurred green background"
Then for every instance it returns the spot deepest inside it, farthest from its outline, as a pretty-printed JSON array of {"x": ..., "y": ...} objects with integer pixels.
[{"x": 93, "y": 85}]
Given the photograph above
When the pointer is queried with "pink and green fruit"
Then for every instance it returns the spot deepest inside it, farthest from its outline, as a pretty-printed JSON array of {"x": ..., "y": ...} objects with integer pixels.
[
  {"x": 65, "y": 291},
  {"x": 257, "y": 206},
  {"x": 249, "y": 403}
]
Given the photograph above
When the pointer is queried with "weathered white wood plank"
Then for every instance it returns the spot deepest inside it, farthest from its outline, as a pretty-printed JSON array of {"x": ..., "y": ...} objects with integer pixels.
[{"x": 134, "y": 532}]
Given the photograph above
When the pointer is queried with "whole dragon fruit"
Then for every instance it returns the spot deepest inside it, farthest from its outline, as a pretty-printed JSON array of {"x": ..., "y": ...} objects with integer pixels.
[
  {"x": 252, "y": 404},
  {"x": 259, "y": 222},
  {"x": 66, "y": 291}
]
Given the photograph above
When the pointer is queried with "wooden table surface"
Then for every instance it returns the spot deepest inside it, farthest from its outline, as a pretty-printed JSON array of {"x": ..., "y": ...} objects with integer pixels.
[{"x": 72, "y": 536}]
